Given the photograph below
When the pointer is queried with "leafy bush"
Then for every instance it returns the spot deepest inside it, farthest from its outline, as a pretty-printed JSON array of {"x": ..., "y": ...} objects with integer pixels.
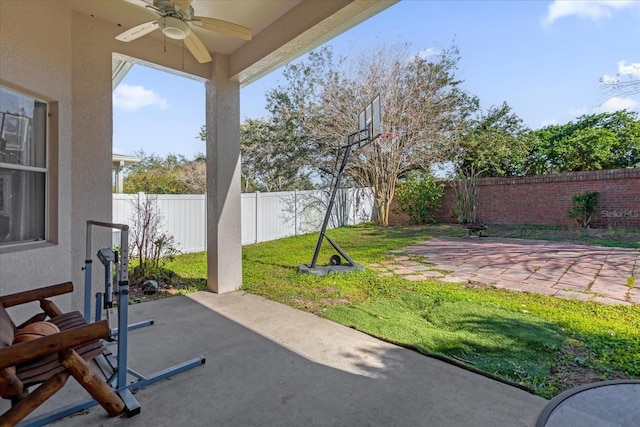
[
  {"x": 418, "y": 196},
  {"x": 584, "y": 206}
]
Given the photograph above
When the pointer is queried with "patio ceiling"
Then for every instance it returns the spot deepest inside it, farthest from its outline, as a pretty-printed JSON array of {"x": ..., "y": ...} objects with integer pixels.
[{"x": 282, "y": 29}]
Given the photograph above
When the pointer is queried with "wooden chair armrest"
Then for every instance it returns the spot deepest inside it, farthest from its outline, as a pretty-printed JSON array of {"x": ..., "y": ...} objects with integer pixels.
[
  {"x": 36, "y": 294},
  {"x": 55, "y": 343}
]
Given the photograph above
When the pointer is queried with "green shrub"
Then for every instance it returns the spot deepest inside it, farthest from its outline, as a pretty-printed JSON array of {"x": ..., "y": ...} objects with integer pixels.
[
  {"x": 418, "y": 196},
  {"x": 584, "y": 206}
]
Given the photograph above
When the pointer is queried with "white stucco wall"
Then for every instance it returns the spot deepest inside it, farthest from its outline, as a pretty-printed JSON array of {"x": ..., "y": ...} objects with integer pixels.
[
  {"x": 92, "y": 128},
  {"x": 65, "y": 57},
  {"x": 37, "y": 57}
]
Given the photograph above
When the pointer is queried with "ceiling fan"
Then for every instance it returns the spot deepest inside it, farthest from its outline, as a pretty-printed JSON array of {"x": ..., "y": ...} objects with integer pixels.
[{"x": 176, "y": 19}]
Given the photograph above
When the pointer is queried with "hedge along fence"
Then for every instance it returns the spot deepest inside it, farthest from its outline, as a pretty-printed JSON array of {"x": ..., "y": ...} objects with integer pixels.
[{"x": 547, "y": 199}]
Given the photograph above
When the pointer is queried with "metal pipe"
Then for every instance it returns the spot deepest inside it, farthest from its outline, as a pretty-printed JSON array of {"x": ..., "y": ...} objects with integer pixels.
[{"x": 87, "y": 290}]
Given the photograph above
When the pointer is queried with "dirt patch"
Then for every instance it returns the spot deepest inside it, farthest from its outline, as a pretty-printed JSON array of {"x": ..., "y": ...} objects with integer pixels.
[
  {"x": 573, "y": 368},
  {"x": 169, "y": 284},
  {"x": 476, "y": 284},
  {"x": 327, "y": 298}
]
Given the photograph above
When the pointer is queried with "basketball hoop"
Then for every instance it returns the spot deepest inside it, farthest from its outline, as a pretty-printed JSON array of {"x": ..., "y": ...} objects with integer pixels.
[{"x": 369, "y": 129}]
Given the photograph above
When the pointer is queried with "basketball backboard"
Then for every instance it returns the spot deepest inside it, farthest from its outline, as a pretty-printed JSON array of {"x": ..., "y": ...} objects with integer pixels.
[{"x": 370, "y": 120}]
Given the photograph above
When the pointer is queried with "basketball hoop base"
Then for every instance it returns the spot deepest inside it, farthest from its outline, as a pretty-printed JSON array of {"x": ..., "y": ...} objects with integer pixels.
[{"x": 323, "y": 270}]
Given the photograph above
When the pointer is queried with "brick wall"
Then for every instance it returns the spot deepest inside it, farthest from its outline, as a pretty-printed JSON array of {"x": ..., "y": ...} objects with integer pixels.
[{"x": 546, "y": 199}]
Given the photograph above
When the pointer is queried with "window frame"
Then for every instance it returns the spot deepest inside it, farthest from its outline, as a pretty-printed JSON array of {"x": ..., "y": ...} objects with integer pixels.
[{"x": 46, "y": 170}]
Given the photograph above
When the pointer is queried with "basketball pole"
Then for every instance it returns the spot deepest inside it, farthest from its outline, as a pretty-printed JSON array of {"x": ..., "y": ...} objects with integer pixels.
[{"x": 325, "y": 223}]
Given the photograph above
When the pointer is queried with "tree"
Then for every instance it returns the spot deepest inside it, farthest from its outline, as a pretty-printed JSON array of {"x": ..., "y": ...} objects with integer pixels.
[
  {"x": 171, "y": 175},
  {"x": 272, "y": 160},
  {"x": 423, "y": 109},
  {"x": 495, "y": 144},
  {"x": 592, "y": 142},
  {"x": 154, "y": 175},
  {"x": 273, "y": 155},
  {"x": 193, "y": 174}
]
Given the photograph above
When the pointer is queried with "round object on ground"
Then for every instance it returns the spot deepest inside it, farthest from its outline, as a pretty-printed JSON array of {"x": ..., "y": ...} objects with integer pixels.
[
  {"x": 335, "y": 260},
  {"x": 149, "y": 287},
  {"x": 34, "y": 330}
]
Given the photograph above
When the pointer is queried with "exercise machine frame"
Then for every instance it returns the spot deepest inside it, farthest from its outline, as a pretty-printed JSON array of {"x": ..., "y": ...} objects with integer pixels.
[{"x": 114, "y": 368}]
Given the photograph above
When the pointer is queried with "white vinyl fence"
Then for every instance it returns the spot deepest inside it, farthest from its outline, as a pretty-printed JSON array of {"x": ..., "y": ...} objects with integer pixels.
[{"x": 265, "y": 216}]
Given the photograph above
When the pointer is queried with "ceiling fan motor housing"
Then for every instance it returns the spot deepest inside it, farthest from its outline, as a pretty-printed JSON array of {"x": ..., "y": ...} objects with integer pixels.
[
  {"x": 174, "y": 28},
  {"x": 181, "y": 9}
]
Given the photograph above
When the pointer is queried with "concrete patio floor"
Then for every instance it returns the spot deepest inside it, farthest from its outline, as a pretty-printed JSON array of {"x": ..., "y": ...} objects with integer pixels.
[
  {"x": 271, "y": 365},
  {"x": 587, "y": 273}
]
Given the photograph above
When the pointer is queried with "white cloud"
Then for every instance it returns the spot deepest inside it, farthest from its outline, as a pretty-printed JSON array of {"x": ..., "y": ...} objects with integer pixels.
[
  {"x": 132, "y": 98},
  {"x": 615, "y": 104},
  {"x": 609, "y": 80},
  {"x": 428, "y": 52},
  {"x": 632, "y": 70},
  {"x": 593, "y": 9}
]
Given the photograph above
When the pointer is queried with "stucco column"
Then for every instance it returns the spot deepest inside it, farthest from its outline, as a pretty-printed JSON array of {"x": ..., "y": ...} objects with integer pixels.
[{"x": 224, "y": 235}]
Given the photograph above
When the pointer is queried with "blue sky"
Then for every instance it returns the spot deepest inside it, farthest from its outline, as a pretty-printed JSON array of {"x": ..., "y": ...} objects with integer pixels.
[{"x": 546, "y": 59}]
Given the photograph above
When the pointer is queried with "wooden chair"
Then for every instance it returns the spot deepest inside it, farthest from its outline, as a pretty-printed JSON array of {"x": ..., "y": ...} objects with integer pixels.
[{"x": 48, "y": 361}]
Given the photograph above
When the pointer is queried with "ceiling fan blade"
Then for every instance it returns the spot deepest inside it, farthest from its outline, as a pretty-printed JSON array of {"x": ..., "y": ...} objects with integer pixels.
[
  {"x": 138, "y": 31},
  {"x": 223, "y": 27},
  {"x": 197, "y": 49}
]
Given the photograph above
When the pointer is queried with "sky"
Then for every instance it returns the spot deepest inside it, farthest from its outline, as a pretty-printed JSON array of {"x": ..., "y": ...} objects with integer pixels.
[{"x": 546, "y": 59}]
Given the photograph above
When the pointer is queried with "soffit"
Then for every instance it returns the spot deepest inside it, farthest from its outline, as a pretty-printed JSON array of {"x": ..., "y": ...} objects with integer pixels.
[{"x": 282, "y": 29}]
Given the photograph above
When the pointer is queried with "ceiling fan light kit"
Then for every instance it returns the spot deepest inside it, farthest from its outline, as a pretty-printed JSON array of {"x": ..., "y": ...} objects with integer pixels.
[{"x": 174, "y": 28}]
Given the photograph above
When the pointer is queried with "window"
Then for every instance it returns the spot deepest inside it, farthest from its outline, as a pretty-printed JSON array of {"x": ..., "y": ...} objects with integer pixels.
[{"x": 23, "y": 167}]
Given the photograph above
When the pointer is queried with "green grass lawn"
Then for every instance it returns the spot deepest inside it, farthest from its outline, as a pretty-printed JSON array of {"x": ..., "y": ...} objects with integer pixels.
[{"x": 541, "y": 343}]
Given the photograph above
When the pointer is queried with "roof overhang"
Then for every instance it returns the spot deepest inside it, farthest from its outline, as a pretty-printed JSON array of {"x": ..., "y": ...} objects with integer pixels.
[
  {"x": 282, "y": 29},
  {"x": 123, "y": 161}
]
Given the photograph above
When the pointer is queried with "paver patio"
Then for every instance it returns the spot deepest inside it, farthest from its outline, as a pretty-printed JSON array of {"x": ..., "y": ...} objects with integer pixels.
[{"x": 587, "y": 273}]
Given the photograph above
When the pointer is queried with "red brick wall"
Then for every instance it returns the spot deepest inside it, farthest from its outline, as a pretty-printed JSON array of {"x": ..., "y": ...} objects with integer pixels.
[{"x": 546, "y": 199}]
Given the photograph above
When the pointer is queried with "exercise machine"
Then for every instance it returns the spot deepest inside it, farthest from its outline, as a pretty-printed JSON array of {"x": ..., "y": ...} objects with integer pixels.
[{"x": 115, "y": 368}]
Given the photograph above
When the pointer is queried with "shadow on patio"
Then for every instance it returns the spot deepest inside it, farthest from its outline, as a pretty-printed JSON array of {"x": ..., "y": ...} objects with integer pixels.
[{"x": 271, "y": 365}]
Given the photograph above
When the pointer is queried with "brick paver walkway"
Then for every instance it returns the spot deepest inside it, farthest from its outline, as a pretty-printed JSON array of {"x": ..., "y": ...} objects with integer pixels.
[{"x": 589, "y": 273}]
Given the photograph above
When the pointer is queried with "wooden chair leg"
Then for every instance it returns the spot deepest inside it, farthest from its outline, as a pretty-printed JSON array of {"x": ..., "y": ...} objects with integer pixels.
[
  {"x": 34, "y": 399},
  {"x": 92, "y": 382}
]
